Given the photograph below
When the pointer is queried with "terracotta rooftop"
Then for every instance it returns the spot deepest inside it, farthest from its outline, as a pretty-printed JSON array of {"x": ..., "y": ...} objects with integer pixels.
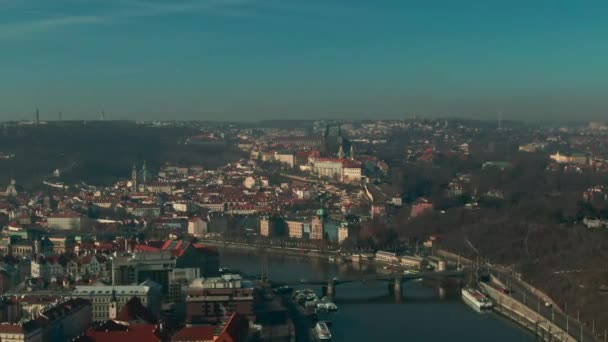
[
  {"x": 135, "y": 311},
  {"x": 204, "y": 333},
  {"x": 115, "y": 332}
]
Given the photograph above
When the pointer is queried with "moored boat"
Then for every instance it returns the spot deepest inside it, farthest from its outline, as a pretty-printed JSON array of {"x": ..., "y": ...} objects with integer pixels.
[
  {"x": 322, "y": 332},
  {"x": 476, "y": 299}
]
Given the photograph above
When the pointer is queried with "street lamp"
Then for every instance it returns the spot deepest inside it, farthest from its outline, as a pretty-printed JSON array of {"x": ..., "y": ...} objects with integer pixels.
[{"x": 580, "y": 325}]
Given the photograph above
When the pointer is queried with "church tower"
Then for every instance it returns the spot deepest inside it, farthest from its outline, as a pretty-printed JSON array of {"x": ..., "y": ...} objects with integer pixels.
[
  {"x": 134, "y": 178},
  {"x": 341, "y": 154},
  {"x": 340, "y": 137},
  {"x": 144, "y": 173},
  {"x": 113, "y": 306},
  {"x": 326, "y": 138},
  {"x": 11, "y": 189},
  {"x": 352, "y": 152}
]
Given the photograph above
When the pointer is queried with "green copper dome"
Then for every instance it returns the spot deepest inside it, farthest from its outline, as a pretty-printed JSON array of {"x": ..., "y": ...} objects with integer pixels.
[{"x": 322, "y": 212}]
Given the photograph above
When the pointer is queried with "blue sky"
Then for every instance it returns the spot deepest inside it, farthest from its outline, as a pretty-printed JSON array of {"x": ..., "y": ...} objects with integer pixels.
[{"x": 262, "y": 59}]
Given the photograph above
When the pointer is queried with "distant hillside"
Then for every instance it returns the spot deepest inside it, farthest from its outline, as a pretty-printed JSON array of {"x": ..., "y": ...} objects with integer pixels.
[{"x": 98, "y": 152}]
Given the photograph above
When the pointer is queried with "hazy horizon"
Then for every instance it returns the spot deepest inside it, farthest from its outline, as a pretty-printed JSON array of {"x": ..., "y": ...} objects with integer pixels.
[{"x": 247, "y": 60}]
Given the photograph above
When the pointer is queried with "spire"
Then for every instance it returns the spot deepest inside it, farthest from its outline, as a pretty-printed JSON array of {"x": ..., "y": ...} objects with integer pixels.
[
  {"x": 352, "y": 151},
  {"x": 341, "y": 153},
  {"x": 134, "y": 178},
  {"x": 113, "y": 305},
  {"x": 144, "y": 173}
]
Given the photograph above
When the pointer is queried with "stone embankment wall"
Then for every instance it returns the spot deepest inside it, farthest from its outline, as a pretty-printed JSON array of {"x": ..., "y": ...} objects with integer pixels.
[{"x": 523, "y": 315}]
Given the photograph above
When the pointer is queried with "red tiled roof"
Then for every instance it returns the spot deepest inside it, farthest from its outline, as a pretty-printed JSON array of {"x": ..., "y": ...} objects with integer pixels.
[
  {"x": 236, "y": 329},
  {"x": 132, "y": 332},
  {"x": 194, "y": 334},
  {"x": 11, "y": 329},
  {"x": 134, "y": 310},
  {"x": 351, "y": 164}
]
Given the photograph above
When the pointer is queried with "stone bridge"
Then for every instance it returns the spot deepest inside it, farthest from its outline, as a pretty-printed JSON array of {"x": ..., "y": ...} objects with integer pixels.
[{"x": 394, "y": 280}]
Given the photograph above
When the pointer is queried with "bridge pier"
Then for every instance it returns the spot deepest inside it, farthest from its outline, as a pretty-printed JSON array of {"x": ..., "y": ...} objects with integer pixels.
[
  {"x": 442, "y": 292},
  {"x": 331, "y": 289},
  {"x": 397, "y": 288}
]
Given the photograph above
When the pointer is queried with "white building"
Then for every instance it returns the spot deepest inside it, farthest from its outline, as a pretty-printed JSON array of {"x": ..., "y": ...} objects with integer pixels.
[
  {"x": 351, "y": 173},
  {"x": 47, "y": 268},
  {"x": 68, "y": 221},
  {"x": 412, "y": 261},
  {"x": 285, "y": 158},
  {"x": 100, "y": 296},
  {"x": 250, "y": 182},
  {"x": 181, "y": 207},
  {"x": 328, "y": 167},
  {"x": 387, "y": 257},
  {"x": 281, "y": 157},
  {"x": 576, "y": 158},
  {"x": 197, "y": 227}
]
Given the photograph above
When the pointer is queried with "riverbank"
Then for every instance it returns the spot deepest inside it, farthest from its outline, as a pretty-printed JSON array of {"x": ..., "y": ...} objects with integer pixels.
[
  {"x": 366, "y": 307},
  {"x": 325, "y": 255},
  {"x": 539, "y": 306},
  {"x": 524, "y": 316},
  {"x": 269, "y": 249}
]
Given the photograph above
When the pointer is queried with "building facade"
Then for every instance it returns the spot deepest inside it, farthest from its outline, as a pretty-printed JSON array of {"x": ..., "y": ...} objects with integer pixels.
[
  {"x": 267, "y": 227},
  {"x": 69, "y": 221},
  {"x": 197, "y": 227},
  {"x": 102, "y": 296},
  {"x": 295, "y": 229},
  {"x": 317, "y": 226},
  {"x": 212, "y": 300}
]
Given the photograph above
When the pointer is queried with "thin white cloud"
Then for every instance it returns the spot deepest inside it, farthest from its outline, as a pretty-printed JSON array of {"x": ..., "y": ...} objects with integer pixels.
[
  {"x": 31, "y": 27},
  {"x": 130, "y": 9}
]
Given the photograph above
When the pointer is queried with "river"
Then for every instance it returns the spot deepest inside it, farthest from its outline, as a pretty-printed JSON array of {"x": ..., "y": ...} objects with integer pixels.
[{"x": 368, "y": 313}]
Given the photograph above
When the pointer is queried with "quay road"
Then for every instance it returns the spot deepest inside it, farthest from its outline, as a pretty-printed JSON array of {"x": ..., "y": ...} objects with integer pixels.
[{"x": 521, "y": 293}]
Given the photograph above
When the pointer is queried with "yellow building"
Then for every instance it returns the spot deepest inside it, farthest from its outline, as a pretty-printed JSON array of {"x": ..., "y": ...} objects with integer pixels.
[
  {"x": 317, "y": 229},
  {"x": 295, "y": 229},
  {"x": 267, "y": 227}
]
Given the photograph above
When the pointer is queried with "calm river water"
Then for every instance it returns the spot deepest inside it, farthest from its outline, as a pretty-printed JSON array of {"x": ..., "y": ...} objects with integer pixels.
[{"x": 368, "y": 313}]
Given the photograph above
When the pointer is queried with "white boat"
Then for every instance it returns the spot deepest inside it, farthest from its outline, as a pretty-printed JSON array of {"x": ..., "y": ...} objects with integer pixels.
[
  {"x": 311, "y": 304},
  {"x": 327, "y": 306},
  {"x": 322, "y": 332},
  {"x": 412, "y": 272},
  {"x": 476, "y": 299},
  {"x": 330, "y": 306}
]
